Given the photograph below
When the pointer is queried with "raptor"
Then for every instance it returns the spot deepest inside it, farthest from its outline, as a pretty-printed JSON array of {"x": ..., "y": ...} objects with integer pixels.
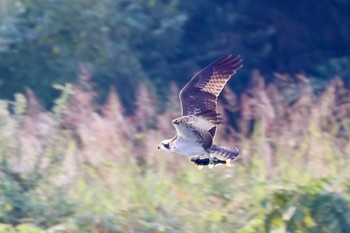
[{"x": 196, "y": 128}]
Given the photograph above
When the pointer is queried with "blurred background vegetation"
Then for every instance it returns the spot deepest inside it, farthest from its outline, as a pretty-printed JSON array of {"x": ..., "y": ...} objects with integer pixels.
[{"x": 89, "y": 88}]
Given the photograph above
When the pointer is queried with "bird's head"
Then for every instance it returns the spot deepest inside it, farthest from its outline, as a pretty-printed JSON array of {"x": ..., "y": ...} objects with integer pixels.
[{"x": 164, "y": 145}]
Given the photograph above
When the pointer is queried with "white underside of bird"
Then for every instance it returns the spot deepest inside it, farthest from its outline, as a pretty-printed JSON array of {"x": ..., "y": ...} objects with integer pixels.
[
  {"x": 187, "y": 143},
  {"x": 188, "y": 147}
]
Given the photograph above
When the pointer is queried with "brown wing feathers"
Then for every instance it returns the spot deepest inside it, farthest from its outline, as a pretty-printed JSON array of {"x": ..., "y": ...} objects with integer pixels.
[
  {"x": 211, "y": 116},
  {"x": 201, "y": 92},
  {"x": 221, "y": 71}
]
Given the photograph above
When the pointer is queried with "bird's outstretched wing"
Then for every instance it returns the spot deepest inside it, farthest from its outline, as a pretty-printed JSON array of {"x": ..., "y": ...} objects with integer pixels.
[{"x": 201, "y": 92}]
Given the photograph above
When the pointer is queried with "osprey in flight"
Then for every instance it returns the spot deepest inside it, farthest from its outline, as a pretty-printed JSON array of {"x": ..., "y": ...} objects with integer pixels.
[{"x": 196, "y": 129}]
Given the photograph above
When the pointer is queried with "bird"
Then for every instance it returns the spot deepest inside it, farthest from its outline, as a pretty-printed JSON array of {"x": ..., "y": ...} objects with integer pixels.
[{"x": 196, "y": 128}]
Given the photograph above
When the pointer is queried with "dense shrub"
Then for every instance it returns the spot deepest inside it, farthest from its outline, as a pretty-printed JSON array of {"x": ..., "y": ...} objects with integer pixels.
[{"x": 128, "y": 42}]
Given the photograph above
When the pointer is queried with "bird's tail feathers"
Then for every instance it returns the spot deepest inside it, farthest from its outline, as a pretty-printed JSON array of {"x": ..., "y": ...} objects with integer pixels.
[{"x": 228, "y": 153}]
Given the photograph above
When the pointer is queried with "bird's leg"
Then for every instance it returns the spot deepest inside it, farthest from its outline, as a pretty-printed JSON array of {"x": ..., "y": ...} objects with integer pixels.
[{"x": 211, "y": 161}]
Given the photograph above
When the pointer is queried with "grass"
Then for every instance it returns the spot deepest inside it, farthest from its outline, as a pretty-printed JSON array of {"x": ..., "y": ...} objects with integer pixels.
[{"x": 88, "y": 168}]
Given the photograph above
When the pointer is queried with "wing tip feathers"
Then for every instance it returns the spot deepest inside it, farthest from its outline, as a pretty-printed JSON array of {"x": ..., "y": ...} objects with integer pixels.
[{"x": 228, "y": 64}]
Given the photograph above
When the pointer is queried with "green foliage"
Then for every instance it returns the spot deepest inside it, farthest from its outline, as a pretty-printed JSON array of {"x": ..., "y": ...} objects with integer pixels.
[
  {"x": 127, "y": 42},
  {"x": 53, "y": 37},
  {"x": 22, "y": 228},
  {"x": 61, "y": 103},
  {"x": 306, "y": 209},
  {"x": 27, "y": 192}
]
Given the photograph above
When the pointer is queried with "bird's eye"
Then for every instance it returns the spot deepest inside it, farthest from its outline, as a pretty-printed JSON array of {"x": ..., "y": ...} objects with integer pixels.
[{"x": 166, "y": 145}]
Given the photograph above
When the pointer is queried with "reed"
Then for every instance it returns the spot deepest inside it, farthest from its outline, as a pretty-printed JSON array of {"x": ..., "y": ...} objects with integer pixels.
[{"x": 84, "y": 167}]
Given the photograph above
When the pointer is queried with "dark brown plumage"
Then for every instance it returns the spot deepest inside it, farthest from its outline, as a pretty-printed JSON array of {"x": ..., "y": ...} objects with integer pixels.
[{"x": 202, "y": 91}]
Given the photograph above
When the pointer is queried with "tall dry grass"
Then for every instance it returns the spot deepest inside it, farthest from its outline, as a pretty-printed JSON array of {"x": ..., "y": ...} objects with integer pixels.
[{"x": 108, "y": 165}]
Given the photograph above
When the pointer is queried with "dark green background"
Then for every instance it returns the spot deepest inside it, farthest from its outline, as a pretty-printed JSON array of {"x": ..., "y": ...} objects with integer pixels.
[{"x": 126, "y": 42}]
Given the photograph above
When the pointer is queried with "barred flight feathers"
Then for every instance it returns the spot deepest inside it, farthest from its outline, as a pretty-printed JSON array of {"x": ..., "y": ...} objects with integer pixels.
[
  {"x": 201, "y": 92},
  {"x": 228, "y": 153}
]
